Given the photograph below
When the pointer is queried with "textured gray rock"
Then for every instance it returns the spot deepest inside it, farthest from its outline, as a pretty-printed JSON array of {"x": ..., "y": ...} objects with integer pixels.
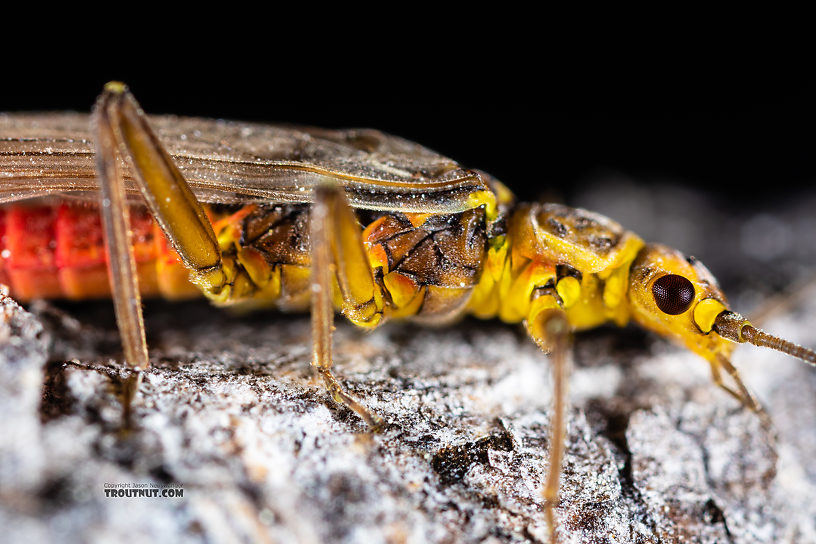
[{"x": 232, "y": 413}]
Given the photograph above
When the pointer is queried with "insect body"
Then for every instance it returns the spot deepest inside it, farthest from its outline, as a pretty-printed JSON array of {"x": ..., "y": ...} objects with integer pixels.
[{"x": 370, "y": 225}]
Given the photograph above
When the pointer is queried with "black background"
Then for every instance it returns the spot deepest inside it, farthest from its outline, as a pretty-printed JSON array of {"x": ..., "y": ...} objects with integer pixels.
[{"x": 743, "y": 139}]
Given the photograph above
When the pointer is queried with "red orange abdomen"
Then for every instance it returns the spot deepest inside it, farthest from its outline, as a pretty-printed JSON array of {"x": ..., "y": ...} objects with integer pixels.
[{"x": 57, "y": 250}]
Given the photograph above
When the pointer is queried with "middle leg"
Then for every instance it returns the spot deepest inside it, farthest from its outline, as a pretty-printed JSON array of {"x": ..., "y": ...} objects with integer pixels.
[{"x": 340, "y": 265}]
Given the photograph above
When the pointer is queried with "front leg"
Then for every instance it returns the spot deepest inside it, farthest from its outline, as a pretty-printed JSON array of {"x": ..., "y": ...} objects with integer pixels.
[{"x": 549, "y": 328}]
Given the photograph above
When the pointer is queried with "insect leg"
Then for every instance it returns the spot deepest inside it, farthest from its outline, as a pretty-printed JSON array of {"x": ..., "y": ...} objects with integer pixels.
[
  {"x": 549, "y": 327},
  {"x": 166, "y": 192},
  {"x": 121, "y": 129},
  {"x": 339, "y": 259},
  {"x": 122, "y": 266},
  {"x": 742, "y": 393}
]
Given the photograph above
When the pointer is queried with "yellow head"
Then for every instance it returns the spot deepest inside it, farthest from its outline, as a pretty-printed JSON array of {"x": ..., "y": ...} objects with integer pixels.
[
  {"x": 677, "y": 297},
  {"x": 668, "y": 293}
]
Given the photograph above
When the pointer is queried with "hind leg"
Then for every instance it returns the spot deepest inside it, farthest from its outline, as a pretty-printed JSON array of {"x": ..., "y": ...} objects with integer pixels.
[{"x": 122, "y": 130}]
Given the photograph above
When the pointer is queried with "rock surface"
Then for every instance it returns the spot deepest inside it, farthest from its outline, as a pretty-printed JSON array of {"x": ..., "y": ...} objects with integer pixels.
[{"x": 231, "y": 415}]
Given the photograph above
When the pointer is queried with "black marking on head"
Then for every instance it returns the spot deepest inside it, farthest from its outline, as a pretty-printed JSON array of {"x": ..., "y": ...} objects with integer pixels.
[
  {"x": 559, "y": 229},
  {"x": 582, "y": 222},
  {"x": 601, "y": 243},
  {"x": 673, "y": 294}
]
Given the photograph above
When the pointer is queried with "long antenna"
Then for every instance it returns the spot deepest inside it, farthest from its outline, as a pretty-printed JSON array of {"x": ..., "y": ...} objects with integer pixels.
[{"x": 735, "y": 327}]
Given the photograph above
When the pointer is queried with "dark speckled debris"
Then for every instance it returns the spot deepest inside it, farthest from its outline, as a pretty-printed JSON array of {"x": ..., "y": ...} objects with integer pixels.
[{"x": 231, "y": 411}]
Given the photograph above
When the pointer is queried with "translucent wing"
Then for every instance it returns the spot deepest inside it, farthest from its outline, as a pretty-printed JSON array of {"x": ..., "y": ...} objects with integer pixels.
[{"x": 225, "y": 161}]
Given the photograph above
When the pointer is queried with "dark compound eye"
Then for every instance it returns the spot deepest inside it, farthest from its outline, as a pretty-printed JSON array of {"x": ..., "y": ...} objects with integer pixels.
[{"x": 673, "y": 294}]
